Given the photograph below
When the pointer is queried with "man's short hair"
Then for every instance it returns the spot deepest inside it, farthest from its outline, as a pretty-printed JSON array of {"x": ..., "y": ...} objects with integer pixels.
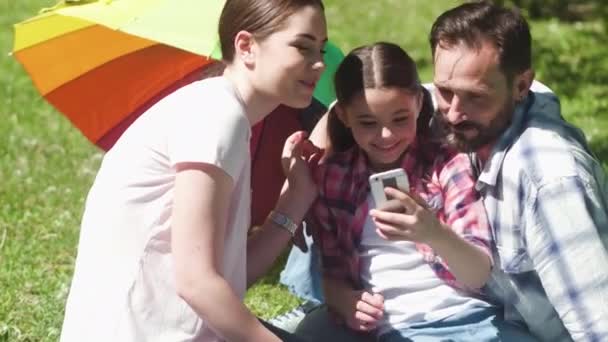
[{"x": 478, "y": 22}]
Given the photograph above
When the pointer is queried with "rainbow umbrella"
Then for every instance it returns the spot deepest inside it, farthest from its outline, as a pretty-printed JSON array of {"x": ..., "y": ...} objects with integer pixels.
[{"x": 102, "y": 63}]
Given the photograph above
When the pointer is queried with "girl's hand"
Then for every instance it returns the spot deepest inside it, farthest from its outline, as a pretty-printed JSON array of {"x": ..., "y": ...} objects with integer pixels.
[
  {"x": 363, "y": 310},
  {"x": 299, "y": 157},
  {"x": 414, "y": 223}
]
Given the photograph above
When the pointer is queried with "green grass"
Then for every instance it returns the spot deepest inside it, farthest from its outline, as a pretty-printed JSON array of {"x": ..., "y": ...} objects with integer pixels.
[
  {"x": 572, "y": 61},
  {"x": 47, "y": 166}
]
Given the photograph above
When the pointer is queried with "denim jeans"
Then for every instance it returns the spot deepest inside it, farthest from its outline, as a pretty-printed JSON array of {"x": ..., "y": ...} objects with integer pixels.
[
  {"x": 303, "y": 278},
  {"x": 302, "y": 273},
  {"x": 479, "y": 324},
  {"x": 318, "y": 326}
]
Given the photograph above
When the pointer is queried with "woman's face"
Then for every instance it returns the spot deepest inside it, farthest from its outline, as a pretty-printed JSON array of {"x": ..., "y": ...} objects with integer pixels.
[
  {"x": 289, "y": 62},
  {"x": 383, "y": 123}
]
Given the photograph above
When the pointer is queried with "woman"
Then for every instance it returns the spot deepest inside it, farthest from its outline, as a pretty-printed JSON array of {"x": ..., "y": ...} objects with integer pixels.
[{"x": 162, "y": 251}]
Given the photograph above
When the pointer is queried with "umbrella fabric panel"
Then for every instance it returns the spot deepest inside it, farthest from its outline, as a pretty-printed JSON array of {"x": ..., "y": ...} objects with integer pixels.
[
  {"x": 98, "y": 102},
  {"x": 103, "y": 63},
  {"x": 66, "y": 58},
  {"x": 190, "y": 25},
  {"x": 110, "y": 137},
  {"x": 45, "y": 27}
]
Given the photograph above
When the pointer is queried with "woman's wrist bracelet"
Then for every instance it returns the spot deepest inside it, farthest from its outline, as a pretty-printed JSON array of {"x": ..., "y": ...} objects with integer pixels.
[{"x": 283, "y": 221}]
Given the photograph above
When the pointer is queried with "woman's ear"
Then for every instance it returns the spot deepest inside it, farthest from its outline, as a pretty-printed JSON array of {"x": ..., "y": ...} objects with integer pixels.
[{"x": 243, "y": 48}]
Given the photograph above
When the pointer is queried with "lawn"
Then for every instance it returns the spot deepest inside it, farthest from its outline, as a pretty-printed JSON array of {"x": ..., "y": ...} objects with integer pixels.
[{"x": 47, "y": 166}]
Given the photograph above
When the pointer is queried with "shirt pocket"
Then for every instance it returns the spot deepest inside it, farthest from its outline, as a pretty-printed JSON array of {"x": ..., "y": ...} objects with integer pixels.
[
  {"x": 508, "y": 232},
  {"x": 512, "y": 259}
]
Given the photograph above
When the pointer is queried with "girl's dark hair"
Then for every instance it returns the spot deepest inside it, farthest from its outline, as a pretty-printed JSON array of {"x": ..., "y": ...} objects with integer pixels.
[
  {"x": 258, "y": 17},
  {"x": 379, "y": 65}
]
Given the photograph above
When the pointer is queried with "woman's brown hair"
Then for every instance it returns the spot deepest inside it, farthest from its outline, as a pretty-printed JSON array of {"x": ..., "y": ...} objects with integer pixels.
[{"x": 258, "y": 17}]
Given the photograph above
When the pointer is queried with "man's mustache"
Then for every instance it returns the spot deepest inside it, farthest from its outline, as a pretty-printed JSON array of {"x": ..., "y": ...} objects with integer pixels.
[{"x": 464, "y": 126}]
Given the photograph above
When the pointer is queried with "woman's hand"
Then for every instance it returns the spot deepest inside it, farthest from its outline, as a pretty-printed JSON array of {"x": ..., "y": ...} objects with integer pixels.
[
  {"x": 299, "y": 157},
  {"x": 413, "y": 222}
]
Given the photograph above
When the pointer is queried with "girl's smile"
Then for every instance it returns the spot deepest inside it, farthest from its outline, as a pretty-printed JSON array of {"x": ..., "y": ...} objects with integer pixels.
[{"x": 383, "y": 123}]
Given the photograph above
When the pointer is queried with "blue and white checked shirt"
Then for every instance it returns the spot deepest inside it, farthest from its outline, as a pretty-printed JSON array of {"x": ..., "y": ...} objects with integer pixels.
[{"x": 546, "y": 197}]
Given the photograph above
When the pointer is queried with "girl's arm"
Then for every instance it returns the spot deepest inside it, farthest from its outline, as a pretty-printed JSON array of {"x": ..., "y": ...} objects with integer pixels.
[
  {"x": 468, "y": 263},
  {"x": 200, "y": 213},
  {"x": 463, "y": 241},
  {"x": 466, "y": 222}
]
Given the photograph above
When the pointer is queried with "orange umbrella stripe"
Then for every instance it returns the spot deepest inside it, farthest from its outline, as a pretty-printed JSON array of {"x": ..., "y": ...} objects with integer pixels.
[
  {"x": 62, "y": 59},
  {"x": 95, "y": 114}
]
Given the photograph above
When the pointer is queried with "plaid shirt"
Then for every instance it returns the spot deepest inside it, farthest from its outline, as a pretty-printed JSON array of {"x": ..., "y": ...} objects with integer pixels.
[
  {"x": 338, "y": 215},
  {"x": 546, "y": 196}
]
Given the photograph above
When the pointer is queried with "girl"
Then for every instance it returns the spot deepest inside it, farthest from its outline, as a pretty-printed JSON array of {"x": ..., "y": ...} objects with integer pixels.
[
  {"x": 410, "y": 273},
  {"x": 163, "y": 254}
]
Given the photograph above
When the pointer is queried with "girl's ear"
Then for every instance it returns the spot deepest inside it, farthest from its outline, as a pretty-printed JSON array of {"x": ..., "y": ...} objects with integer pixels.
[
  {"x": 419, "y": 102},
  {"x": 341, "y": 114}
]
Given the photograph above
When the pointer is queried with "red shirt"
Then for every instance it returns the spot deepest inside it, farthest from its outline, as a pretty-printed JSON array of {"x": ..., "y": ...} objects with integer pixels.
[{"x": 267, "y": 140}]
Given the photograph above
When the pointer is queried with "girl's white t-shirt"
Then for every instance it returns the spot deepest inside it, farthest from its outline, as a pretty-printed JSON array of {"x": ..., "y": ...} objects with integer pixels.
[
  {"x": 124, "y": 283},
  {"x": 413, "y": 293}
]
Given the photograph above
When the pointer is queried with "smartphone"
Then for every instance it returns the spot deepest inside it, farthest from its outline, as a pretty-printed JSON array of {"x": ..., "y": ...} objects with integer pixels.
[{"x": 396, "y": 178}]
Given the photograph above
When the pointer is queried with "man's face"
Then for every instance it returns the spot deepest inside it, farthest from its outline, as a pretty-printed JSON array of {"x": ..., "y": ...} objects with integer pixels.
[{"x": 474, "y": 98}]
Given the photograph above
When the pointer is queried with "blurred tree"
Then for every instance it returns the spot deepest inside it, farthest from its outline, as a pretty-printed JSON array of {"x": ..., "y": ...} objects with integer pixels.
[{"x": 568, "y": 10}]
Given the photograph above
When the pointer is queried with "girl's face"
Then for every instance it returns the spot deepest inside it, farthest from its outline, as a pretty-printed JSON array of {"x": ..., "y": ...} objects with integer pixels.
[
  {"x": 383, "y": 123},
  {"x": 289, "y": 62}
]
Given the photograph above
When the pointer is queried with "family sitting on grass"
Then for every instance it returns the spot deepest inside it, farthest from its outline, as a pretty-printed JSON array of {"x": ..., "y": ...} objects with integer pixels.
[{"x": 501, "y": 235}]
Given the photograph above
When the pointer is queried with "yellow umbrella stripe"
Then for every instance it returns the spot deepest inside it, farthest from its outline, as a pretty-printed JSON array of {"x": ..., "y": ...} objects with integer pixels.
[
  {"x": 161, "y": 21},
  {"x": 45, "y": 27},
  {"x": 113, "y": 14},
  {"x": 168, "y": 22},
  {"x": 75, "y": 54}
]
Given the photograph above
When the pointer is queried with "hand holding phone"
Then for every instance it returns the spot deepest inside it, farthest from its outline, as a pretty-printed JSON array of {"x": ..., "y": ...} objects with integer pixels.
[{"x": 396, "y": 178}]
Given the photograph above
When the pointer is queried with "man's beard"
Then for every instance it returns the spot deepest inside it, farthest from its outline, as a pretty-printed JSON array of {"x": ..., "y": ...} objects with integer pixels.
[{"x": 454, "y": 135}]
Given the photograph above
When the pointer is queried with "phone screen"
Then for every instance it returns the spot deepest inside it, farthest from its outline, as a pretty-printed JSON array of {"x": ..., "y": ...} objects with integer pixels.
[
  {"x": 390, "y": 182},
  {"x": 396, "y": 179}
]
